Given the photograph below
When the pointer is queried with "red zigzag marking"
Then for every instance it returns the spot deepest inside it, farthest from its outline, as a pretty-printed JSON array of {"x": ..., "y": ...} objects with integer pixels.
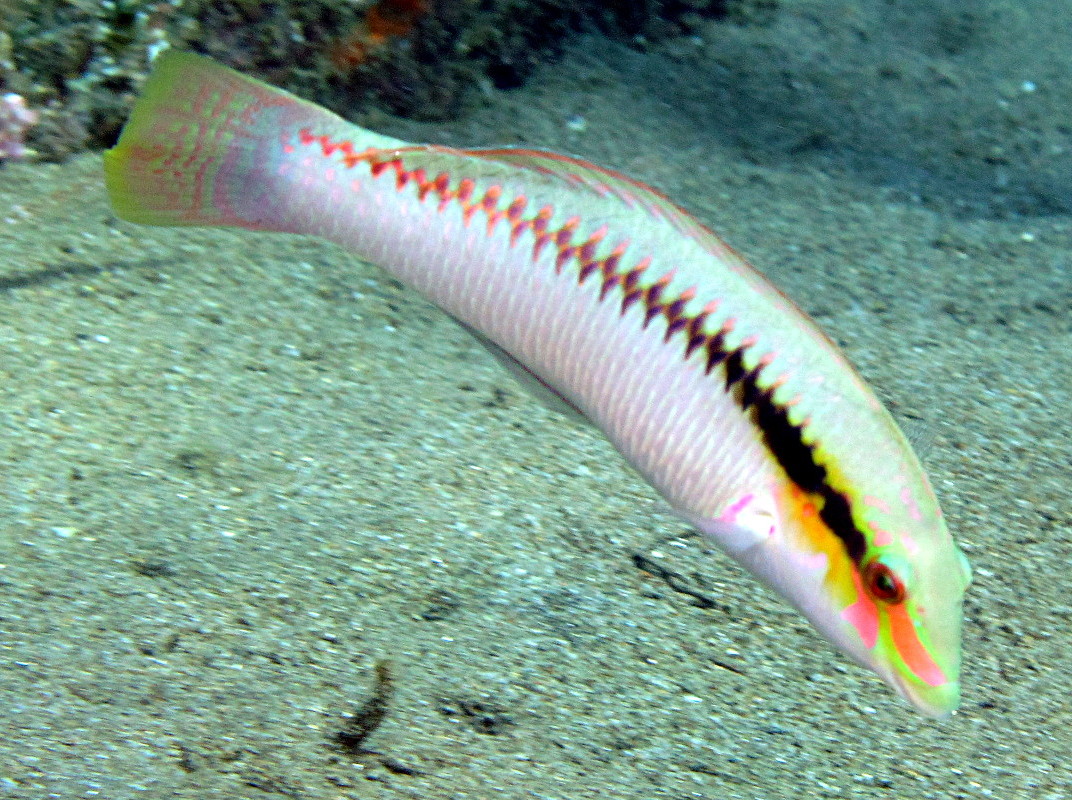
[
  {"x": 784, "y": 438},
  {"x": 561, "y": 239}
]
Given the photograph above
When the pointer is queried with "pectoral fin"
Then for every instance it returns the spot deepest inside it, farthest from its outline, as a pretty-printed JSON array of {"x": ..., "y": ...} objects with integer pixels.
[
  {"x": 529, "y": 381},
  {"x": 746, "y": 523}
]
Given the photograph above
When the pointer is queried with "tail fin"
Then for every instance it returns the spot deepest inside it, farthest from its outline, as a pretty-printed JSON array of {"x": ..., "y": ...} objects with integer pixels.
[{"x": 204, "y": 144}]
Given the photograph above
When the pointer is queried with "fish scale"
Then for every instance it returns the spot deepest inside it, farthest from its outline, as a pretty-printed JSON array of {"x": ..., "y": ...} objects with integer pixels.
[{"x": 613, "y": 302}]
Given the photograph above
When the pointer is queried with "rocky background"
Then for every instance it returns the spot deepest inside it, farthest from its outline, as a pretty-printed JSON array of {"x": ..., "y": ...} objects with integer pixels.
[
  {"x": 82, "y": 61},
  {"x": 899, "y": 92}
]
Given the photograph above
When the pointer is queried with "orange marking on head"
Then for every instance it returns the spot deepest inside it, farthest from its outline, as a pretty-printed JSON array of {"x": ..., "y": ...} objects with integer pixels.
[{"x": 911, "y": 649}]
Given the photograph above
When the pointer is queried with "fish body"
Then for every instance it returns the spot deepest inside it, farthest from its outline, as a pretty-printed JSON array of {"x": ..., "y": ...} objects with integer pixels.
[{"x": 710, "y": 382}]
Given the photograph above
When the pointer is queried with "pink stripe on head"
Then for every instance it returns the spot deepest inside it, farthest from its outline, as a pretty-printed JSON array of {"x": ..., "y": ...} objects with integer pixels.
[
  {"x": 877, "y": 502},
  {"x": 882, "y": 536},
  {"x": 862, "y": 614},
  {"x": 910, "y": 504}
]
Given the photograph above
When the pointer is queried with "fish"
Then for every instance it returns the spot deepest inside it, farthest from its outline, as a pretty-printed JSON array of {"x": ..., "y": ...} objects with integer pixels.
[{"x": 616, "y": 305}]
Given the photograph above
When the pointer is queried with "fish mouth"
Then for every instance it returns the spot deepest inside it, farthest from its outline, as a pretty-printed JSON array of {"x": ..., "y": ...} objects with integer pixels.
[{"x": 936, "y": 702}]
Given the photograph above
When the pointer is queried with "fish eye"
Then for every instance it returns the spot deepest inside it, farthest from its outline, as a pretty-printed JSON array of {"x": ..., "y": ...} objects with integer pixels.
[{"x": 883, "y": 583}]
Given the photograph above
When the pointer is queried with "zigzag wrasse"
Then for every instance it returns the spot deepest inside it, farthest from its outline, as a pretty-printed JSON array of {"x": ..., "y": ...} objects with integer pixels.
[{"x": 612, "y": 300}]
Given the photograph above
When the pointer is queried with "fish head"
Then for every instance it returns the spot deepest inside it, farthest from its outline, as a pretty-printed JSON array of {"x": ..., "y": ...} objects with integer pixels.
[
  {"x": 905, "y": 604},
  {"x": 890, "y": 601}
]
